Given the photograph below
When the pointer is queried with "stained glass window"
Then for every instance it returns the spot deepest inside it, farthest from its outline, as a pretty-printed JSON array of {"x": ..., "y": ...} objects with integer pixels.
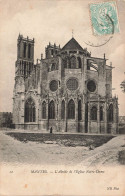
[
  {"x": 73, "y": 62},
  {"x": 79, "y": 110},
  {"x": 51, "y": 110},
  {"x": 44, "y": 110},
  {"x": 53, "y": 85},
  {"x": 72, "y": 84},
  {"x": 79, "y": 62},
  {"x": 53, "y": 67},
  {"x": 101, "y": 113},
  {"x": 94, "y": 113},
  {"x": 110, "y": 113},
  {"x": 24, "y": 50},
  {"x": 71, "y": 109},
  {"x": 30, "y": 111},
  {"x": 91, "y": 86},
  {"x": 29, "y": 50}
]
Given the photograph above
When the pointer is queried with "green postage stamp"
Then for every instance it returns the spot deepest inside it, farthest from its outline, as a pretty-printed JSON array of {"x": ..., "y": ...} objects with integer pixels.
[{"x": 104, "y": 18}]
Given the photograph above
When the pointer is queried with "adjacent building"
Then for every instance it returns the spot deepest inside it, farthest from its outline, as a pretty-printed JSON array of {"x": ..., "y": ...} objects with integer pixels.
[{"x": 6, "y": 120}]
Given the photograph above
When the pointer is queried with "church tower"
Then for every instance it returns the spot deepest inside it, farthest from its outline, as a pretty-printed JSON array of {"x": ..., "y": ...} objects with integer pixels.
[
  {"x": 52, "y": 50},
  {"x": 25, "y": 56},
  {"x": 23, "y": 68}
]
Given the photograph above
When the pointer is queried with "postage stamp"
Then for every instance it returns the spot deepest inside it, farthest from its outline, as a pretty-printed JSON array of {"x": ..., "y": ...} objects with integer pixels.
[{"x": 104, "y": 18}]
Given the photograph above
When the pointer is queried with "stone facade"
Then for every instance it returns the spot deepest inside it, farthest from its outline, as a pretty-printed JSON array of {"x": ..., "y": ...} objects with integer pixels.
[{"x": 69, "y": 90}]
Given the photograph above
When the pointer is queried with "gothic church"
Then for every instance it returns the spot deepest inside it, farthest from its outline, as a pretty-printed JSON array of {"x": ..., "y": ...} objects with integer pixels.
[{"x": 68, "y": 90}]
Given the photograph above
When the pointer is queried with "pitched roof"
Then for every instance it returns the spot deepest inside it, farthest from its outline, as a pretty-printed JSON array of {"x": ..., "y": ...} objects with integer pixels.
[{"x": 72, "y": 45}]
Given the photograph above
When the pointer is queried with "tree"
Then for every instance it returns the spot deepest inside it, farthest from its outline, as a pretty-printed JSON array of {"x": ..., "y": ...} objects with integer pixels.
[{"x": 122, "y": 85}]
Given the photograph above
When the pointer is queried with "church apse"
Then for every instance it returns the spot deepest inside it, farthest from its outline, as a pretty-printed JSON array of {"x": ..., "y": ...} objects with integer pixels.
[{"x": 72, "y": 91}]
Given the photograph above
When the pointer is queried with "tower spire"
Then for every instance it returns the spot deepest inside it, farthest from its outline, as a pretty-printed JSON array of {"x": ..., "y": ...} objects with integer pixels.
[{"x": 72, "y": 33}]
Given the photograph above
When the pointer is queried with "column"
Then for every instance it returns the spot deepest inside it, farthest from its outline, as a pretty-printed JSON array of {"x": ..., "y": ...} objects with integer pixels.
[
  {"x": 59, "y": 114},
  {"x": 40, "y": 112},
  {"x": 105, "y": 116},
  {"x": 56, "y": 114},
  {"x": 89, "y": 111},
  {"x": 32, "y": 51},
  {"x": 38, "y": 117},
  {"x": 23, "y": 68},
  {"x": 22, "y": 110},
  {"x": 66, "y": 115},
  {"x": 115, "y": 117},
  {"x": 27, "y": 68},
  {"x": 36, "y": 78},
  {"x": 47, "y": 114},
  {"x": 18, "y": 68},
  {"x": 76, "y": 114},
  {"x": 83, "y": 115},
  {"x": 98, "y": 116},
  {"x": 26, "y": 50}
]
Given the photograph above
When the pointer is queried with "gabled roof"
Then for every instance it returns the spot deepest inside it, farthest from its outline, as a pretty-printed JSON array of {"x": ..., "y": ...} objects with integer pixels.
[{"x": 72, "y": 45}]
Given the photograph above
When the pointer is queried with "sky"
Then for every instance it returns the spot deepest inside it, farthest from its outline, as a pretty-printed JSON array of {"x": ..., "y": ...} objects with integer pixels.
[{"x": 53, "y": 21}]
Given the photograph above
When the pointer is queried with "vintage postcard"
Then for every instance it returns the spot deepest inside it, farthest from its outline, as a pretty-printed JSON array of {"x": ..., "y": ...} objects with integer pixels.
[{"x": 62, "y": 98}]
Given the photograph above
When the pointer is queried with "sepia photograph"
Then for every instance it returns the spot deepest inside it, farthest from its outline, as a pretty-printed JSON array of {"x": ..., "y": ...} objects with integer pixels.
[{"x": 62, "y": 98}]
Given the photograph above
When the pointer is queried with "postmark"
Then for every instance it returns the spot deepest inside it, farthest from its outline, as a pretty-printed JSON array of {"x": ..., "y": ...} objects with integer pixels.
[
  {"x": 100, "y": 43},
  {"x": 104, "y": 18}
]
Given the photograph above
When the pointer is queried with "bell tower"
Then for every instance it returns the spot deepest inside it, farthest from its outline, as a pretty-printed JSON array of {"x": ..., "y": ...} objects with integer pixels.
[
  {"x": 52, "y": 50},
  {"x": 25, "y": 56},
  {"x": 23, "y": 68}
]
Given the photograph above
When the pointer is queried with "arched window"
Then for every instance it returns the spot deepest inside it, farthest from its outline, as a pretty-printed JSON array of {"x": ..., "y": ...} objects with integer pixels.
[
  {"x": 53, "y": 67},
  {"x": 57, "y": 66},
  {"x": 110, "y": 113},
  {"x": 30, "y": 111},
  {"x": 63, "y": 110},
  {"x": 79, "y": 110},
  {"x": 44, "y": 110},
  {"x": 68, "y": 63},
  {"x": 24, "y": 50},
  {"x": 79, "y": 62},
  {"x": 24, "y": 68},
  {"x": 52, "y": 52},
  {"x": 29, "y": 68},
  {"x": 94, "y": 113},
  {"x": 51, "y": 110},
  {"x": 101, "y": 113},
  {"x": 71, "y": 109},
  {"x": 64, "y": 61},
  {"x": 29, "y": 50},
  {"x": 73, "y": 62}
]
